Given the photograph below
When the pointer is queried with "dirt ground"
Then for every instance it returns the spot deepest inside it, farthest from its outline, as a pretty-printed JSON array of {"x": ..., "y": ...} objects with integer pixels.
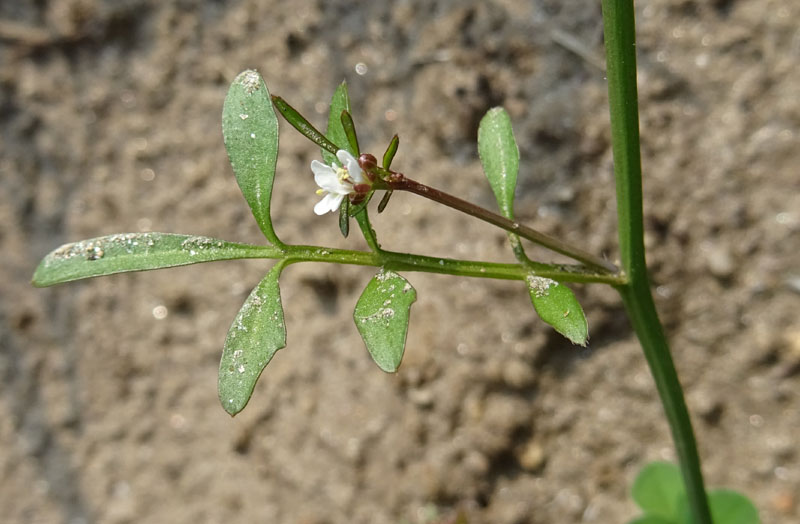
[{"x": 110, "y": 122}]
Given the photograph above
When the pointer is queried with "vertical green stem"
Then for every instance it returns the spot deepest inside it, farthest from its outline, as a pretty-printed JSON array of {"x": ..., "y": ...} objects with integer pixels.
[{"x": 620, "y": 41}]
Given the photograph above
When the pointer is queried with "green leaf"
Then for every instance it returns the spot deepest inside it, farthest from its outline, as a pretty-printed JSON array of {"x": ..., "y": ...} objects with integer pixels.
[
  {"x": 727, "y": 507},
  {"x": 391, "y": 150},
  {"x": 336, "y": 133},
  {"x": 350, "y": 130},
  {"x": 344, "y": 217},
  {"x": 556, "y": 305},
  {"x": 384, "y": 201},
  {"x": 137, "y": 252},
  {"x": 302, "y": 125},
  {"x": 256, "y": 334},
  {"x": 381, "y": 316},
  {"x": 658, "y": 489},
  {"x": 731, "y": 507},
  {"x": 500, "y": 157},
  {"x": 250, "y": 131}
]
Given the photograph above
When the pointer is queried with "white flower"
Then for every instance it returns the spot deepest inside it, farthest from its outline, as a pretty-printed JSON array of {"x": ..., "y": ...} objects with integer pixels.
[{"x": 336, "y": 182}]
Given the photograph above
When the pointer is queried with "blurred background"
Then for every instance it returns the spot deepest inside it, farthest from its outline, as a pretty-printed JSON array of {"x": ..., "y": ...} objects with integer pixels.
[{"x": 110, "y": 122}]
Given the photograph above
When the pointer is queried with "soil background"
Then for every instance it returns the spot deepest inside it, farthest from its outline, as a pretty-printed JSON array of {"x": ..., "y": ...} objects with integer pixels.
[{"x": 110, "y": 122}]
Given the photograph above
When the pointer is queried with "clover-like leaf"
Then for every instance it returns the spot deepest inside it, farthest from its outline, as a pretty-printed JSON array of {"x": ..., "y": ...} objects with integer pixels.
[
  {"x": 136, "y": 252},
  {"x": 250, "y": 131},
  {"x": 381, "y": 316},
  {"x": 257, "y": 333},
  {"x": 658, "y": 489},
  {"x": 556, "y": 305}
]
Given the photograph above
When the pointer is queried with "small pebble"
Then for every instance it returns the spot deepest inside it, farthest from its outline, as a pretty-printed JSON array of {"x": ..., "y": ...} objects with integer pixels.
[{"x": 720, "y": 262}]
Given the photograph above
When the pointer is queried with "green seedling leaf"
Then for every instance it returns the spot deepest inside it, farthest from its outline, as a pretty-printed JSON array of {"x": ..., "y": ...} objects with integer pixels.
[
  {"x": 302, "y": 125},
  {"x": 136, "y": 252},
  {"x": 350, "y": 130},
  {"x": 658, "y": 489},
  {"x": 388, "y": 156},
  {"x": 250, "y": 132},
  {"x": 340, "y": 101},
  {"x": 731, "y": 507},
  {"x": 556, "y": 305},
  {"x": 256, "y": 334},
  {"x": 500, "y": 157},
  {"x": 381, "y": 316},
  {"x": 727, "y": 507}
]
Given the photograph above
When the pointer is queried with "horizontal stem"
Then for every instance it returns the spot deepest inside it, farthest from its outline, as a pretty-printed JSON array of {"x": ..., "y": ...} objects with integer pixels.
[
  {"x": 399, "y": 182},
  {"x": 469, "y": 268}
]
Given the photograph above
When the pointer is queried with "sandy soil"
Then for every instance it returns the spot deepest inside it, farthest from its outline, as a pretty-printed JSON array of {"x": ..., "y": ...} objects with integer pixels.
[{"x": 110, "y": 122}]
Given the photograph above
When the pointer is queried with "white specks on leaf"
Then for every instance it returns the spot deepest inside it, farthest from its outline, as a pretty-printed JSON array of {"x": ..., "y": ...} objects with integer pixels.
[
  {"x": 250, "y": 79},
  {"x": 540, "y": 286}
]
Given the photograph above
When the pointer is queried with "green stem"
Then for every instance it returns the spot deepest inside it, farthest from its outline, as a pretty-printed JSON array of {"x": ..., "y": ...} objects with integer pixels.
[
  {"x": 366, "y": 229},
  {"x": 399, "y": 182},
  {"x": 620, "y": 41},
  {"x": 468, "y": 268}
]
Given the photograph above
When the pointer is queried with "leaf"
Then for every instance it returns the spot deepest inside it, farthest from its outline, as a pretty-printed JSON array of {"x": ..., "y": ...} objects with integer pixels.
[
  {"x": 384, "y": 201},
  {"x": 344, "y": 217},
  {"x": 381, "y": 316},
  {"x": 731, "y": 507},
  {"x": 137, "y": 252},
  {"x": 391, "y": 150},
  {"x": 340, "y": 101},
  {"x": 256, "y": 334},
  {"x": 350, "y": 130},
  {"x": 658, "y": 489},
  {"x": 727, "y": 507},
  {"x": 302, "y": 125},
  {"x": 556, "y": 305},
  {"x": 500, "y": 157},
  {"x": 250, "y": 131}
]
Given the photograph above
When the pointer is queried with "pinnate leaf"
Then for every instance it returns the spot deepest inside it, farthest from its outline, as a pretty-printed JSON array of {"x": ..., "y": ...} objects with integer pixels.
[
  {"x": 250, "y": 131},
  {"x": 556, "y": 305},
  {"x": 257, "y": 333},
  {"x": 136, "y": 252},
  {"x": 381, "y": 316}
]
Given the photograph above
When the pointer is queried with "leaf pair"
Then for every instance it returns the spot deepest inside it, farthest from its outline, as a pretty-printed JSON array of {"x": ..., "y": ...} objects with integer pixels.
[
  {"x": 554, "y": 302},
  {"x": 659, "y": 492}
]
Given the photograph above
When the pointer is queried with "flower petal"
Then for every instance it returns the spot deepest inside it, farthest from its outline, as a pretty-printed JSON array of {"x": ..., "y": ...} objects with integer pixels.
[
  {"x": 351, "y": 164},
  {"x": 320, "y": 169},
  {"x": 328, "y": 180},
  {"x": 330, "y": 202}
]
